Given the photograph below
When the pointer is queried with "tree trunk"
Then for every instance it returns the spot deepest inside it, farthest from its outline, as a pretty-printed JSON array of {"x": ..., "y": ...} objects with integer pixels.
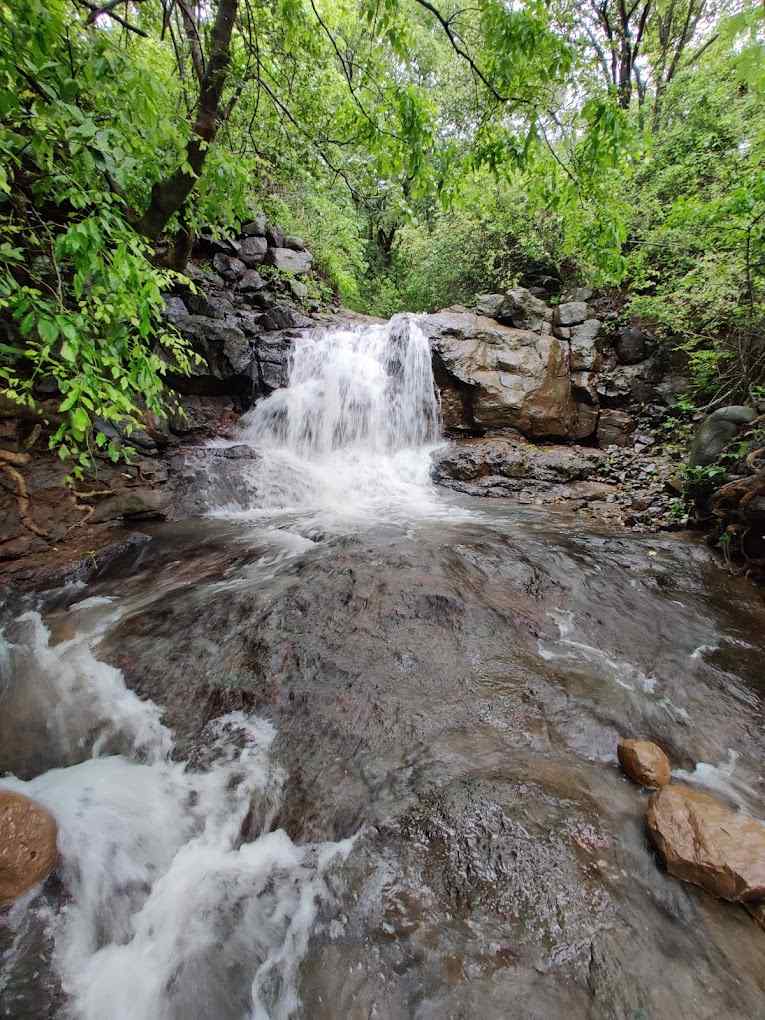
[{"x": 167, "y": 196}]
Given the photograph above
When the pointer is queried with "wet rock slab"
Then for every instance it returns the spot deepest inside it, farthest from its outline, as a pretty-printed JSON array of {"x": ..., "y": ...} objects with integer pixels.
[
  {"x": 514, "y": 467},
  {"x": 427, "y": 695}
]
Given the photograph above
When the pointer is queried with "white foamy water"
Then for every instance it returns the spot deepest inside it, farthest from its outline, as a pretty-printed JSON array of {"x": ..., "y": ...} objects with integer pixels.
[
  {"x": 77, "y": 704},
  {"x": 179, "y": 902},
  {"x": 352, "y": 433},
  {"x": 725, "y": 779}
]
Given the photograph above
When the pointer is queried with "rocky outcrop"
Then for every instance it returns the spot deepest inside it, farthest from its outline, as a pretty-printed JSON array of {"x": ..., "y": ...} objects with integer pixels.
[
  {"x": 705, "y": 842},
  {"x": 27, "y": 845},
  {"x": 495, "y": 378},
  {"x": 645, "y": 763},
  {"x": 531, "y": 474},
  {"x": 240, "y": 318},
  {"x": 550, "y": 373},
  {"x": 514, "y": 364}
]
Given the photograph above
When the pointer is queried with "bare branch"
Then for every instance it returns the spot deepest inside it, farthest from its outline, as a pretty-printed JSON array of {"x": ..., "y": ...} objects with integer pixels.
[
  {"x": 96, "y": 11},
  {"x": 445, "y": 23},
  {"x": 195, "y": 43}
]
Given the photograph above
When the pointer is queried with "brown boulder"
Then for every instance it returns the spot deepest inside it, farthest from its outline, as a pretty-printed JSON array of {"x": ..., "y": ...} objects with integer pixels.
[
  {"x": 644, "y": 762},
  {"x": 705, "y": 842},
  {"x": 27, "y": 844},
  {"x": 505, "y": 378}
]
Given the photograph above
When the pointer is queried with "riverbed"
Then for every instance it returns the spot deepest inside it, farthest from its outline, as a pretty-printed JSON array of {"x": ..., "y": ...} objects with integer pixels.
[{"x": 347, "y": 749}]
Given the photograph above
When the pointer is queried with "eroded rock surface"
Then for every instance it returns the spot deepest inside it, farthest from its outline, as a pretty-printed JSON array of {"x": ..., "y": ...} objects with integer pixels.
[
  {"x": 500, "y": 377},
  {"x": 512, "y": 466}
]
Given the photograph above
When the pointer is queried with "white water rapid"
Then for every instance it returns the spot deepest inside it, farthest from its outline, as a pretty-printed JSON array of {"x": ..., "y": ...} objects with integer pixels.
[
  {"x": 351, "y": 435},
  {"x": 179, "y": 903}
]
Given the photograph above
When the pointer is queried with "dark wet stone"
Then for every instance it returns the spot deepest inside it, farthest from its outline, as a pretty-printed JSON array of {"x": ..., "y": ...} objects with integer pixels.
[
  {"x": 131, "y": 503},
  {"x": 631, "y": 345},
  {"x": 716, "y": 431}
]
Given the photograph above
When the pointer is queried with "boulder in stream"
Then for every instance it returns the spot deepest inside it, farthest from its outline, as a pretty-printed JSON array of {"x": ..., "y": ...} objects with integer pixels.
[
  {"x": 497, "y": 378},
  {"x": 705, "y": 842},
  {"x": 27, "y": 844},
  {"x": 644, "y": 762}
]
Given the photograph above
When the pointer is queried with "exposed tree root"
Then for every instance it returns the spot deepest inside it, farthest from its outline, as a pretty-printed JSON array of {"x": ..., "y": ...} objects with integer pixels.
[
  {"x": 740, "y": 508},
  {"x": 83, "y": 507},
  {"x": 93, "y": 494},
  {"x": 7, "y": 459}
]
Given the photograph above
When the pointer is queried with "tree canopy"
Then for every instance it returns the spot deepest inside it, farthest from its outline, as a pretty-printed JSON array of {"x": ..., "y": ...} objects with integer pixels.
[{"x": 426, "y": 150}]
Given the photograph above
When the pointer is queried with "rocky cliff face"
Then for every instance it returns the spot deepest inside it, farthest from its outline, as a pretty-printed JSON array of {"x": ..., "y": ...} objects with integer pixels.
[
  {"x": 515, "y": 363},
  {"x": 517, "y": 376}
]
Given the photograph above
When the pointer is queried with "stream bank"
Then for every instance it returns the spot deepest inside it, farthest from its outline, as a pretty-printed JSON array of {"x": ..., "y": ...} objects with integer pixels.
[{"x": 542, "y": 413}]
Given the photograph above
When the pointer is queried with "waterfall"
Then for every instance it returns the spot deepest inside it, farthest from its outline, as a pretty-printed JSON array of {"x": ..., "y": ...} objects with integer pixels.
[
  {"x": 353, "y": 430},
  {"x": 366, "y": 389}
]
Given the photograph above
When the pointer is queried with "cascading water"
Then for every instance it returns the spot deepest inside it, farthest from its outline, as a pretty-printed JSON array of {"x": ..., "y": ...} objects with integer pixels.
[
  {"x": 178, "y": 901},
  {"x": 369, "y": 388},
  {"x": 353, "y": 430},
  {"x": 175, "y": 913}
]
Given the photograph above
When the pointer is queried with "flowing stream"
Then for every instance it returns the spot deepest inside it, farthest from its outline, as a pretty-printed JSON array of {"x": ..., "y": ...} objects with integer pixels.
[{"x": 346, "y": 746}]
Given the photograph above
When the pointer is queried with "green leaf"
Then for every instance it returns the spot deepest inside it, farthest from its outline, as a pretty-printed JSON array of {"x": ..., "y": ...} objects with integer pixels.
[
  {"x": 47, "y": 329},
  {"x": 80, "y": 420}
]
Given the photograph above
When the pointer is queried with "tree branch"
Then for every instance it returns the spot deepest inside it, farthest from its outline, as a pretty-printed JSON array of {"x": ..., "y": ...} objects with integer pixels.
[
  {"x": 195, "y": 43},
  {"x": 108, "y": 9},
  {"x": 168, "y": 196},
  {"x": 445, "y": 24}
]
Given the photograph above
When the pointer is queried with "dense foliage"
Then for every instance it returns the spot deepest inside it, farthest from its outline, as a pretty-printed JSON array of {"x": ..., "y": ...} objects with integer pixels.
[{"x": 425, "y": 151}]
